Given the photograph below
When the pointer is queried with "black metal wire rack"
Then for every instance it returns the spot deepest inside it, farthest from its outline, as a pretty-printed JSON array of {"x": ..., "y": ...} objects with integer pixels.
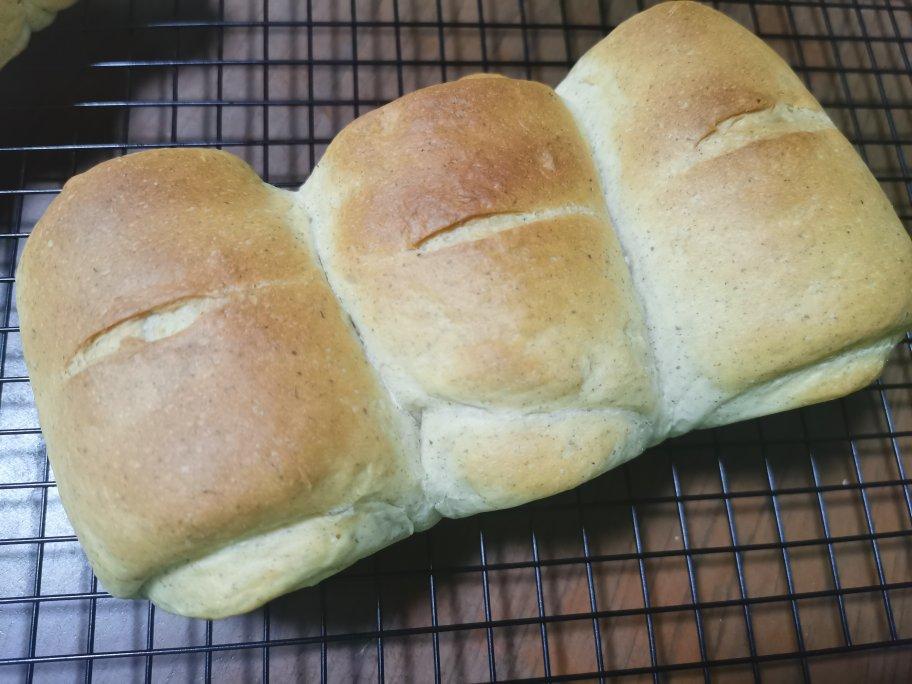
[{"x": 777, "y": 549}]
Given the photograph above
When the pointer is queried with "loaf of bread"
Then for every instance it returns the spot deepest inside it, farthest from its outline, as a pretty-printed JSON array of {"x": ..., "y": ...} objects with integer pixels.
[
  {"x": 487, "y": 292},
  {"x": 19, "y": 19}
]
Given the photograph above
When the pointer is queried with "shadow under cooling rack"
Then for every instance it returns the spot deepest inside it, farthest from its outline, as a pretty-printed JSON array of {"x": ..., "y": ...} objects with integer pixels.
[{"x": 778, "y": 548}]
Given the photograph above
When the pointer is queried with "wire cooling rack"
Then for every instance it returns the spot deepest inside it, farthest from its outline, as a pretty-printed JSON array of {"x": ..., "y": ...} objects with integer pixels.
[{"x": 776, "y": 549}]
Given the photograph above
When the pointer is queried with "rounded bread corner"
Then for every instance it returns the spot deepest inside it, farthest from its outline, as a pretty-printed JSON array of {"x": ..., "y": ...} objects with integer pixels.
[
  {"x": 823, "y": 381},
  {"x": 244, "y": 575}
]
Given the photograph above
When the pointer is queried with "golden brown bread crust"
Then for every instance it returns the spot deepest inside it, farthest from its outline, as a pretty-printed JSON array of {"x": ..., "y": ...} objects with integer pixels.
[
  {"x": 466, "y": 233},
  {"x": 187, "y": 222},
  {"x": 257, "y": 411},
  {"x": 217, "y": 430},
  {"x": 708, "y": 70},
  {"x": 476, "y": 147},
  {"x": 759, "y": 241}
]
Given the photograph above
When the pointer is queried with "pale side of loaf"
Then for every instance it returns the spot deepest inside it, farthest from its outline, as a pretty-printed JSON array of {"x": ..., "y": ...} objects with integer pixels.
[
  {"x": 19, "y": 19},
  {"x": 773, "y": 269},
  {"x": 486, "y": 293}
]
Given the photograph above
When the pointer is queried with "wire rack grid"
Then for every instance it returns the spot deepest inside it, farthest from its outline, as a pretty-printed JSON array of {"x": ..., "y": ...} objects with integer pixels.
[{"x": 777, "y": 549}]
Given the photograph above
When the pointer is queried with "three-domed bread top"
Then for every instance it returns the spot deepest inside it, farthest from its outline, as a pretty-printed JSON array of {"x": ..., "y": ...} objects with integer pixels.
[{"x": 487, "y": 292}]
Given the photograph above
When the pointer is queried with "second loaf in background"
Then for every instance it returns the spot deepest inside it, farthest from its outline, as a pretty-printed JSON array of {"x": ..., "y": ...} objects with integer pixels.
[
  {"x": 19, "y": 19},
  {"x": 486, "y": 293}
]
